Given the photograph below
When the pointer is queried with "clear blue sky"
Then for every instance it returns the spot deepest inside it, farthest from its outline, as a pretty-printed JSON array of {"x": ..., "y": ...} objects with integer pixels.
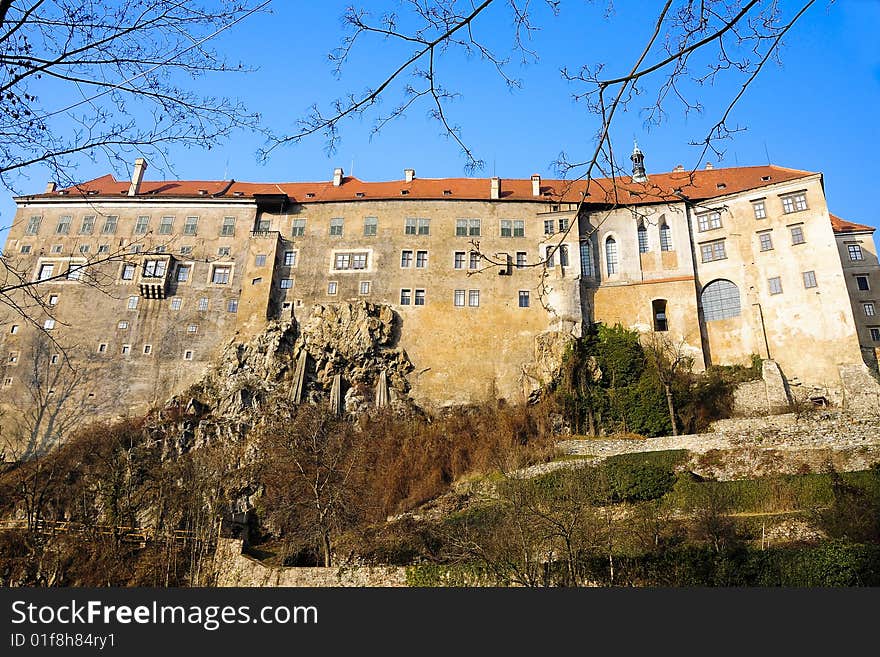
[{"x": 815, "y": 111}]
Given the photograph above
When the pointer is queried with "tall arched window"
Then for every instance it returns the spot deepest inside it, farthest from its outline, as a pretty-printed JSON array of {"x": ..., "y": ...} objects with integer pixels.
[
  {"x": 587, "y": 268},
  {"x": 611, "y": 256},
  {"x": 665, "y": 237},
  {"x": 720, "y": 300},
  {"x": 643, "y": 238}
]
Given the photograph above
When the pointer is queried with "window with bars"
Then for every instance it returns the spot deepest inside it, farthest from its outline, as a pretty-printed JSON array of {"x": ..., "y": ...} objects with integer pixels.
[
  {"x": 810, "y": 279},
  {"x": 473, "y": 298},
  {"x": 665, "y": 237},
  {"x": 766, "y": 241},
  {"x": 290, "y": 258},
  {"x": 720, "y": 300},
  {"x": 587, "y": 268},
  {"x": 611, "y": 256},
  {"x": 458, "y": 298},
  {"x": 855, "y": 252},
  {"x": 643, "y": 238},
  {"x": 869, "y": 309},
  {"x": 203, "y": 304},
  {"x": 797, "y": 235},
  {"x": 759, "y": 209},
  {"x": 521, "y": 257},
  {"x": 458, "y": 260}
]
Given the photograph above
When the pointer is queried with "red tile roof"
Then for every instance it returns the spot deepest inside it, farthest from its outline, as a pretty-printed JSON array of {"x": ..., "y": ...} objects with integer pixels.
[
  {"x": 697, "y": 185},
  {"x": 843, "y": 226}
]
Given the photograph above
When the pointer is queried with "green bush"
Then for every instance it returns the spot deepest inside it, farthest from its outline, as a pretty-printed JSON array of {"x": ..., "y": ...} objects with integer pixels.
[{"x": 638, "y": 483}]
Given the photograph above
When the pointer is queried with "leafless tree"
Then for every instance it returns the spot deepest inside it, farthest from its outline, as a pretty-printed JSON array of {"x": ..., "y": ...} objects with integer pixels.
[
  {"x": 669, "y": 359},
  {"x": 83, "y": 78},
  {"x": 690, "y": 45}
]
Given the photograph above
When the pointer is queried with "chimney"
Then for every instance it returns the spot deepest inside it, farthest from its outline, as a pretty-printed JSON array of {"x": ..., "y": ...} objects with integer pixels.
[
  {"x": 496, "y": 188},
  {"x": 679, "y": 167},
  {"x": 337, "y": 176},
  {"x": 137, "y": 176},
  {"x": 709, "y": 166},
  {"x": 409, "y": 174},
  {"x": 50, "y": 187},
  {"x": 536, "y": 185}
]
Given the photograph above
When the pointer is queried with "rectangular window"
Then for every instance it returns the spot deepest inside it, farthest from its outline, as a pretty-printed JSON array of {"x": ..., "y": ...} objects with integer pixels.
[
  {"x": 26, "y": 248},
  {"x": 176, "y": 303},
  {"x": 286, "y": 283},
  {"x": 159, "y": 248},
  {"x": 423, "y": 226},
  {"x": 63, "y": 227},
  {"x": 155, "y": 268},
  {"x": 794, "y": 202},
  {"x": 148, "y": 349},
  {"x": 474, "y": 262},
  {"x": 458, "y": 298},
  {"x": 409, "y": 227},
  {"x": 405, "y": 296},
  {"x": 875, "y": 334},
  {"x": 855, "y": 252},
  {"x": 223, "y": 251},
  {"x": 220, "y": 274},
  {"x": 203, "y": 304},
  {"x": 642, "y": 234},
  {"x": 102, "y": 348},
  {"x": 563, "y": 255},
  {"x": 420, "y": 298},
  {"x": 775, "y": 285},
  {"x": 708, "y": 221},
  {"x": 519, "y": 228},
  {"x": 14, "y": 329},
  {"x": 458, "y": 262},
  {"x": 49, "y": 324},
  {"x": 797, "y": 235},
  {"x": 186, "y": 250},
  {"x": 75, "y": 271},
  {"x": 550, "y": 256},
  {"x": 461, "y": 227},
  {"x": 371, "y": 226},
  {"x": 421, "y": 259},
  {"x": 563, "y": 224},
  {"x": 758, "y": 207},
  {"x": 264, "y": 225},
  {"x": 127, "y": 271},
  {"x": 810, "y": 279},
  {"x": 190, "y": 225},
  {"x": 53, "y": 299},
  {"x": 133, "y": 303},
  {"x": 862, "y": 283},
  {"x": 165, "y": 225},
  {"x": 192, "y": 328},
  {"x": 766, "y": 241},
  {"x": 122, "y": 326},
  {"x": 104, "y": 248},
  {"x": 232, "y": 306},
  {"x": 520, "y": 259},
  {"x": 183, "y": 273},
  {"x": 84, "y": 248},
  {"x": 57, "y": 248},
  {"x": 869, "y": 309},
  {"x": 406, "y": 258},
  {"x": 336, "y": 225},
  {"x": 260, "y": 260},
  {"x": 549, "y": 225},
  {"x": 332, "y": 287},
  {"x": 46, "y": 272},
  {"x": 298, "y": 228},
  {"x": 473, "y": 227},
  {"x": 141, "y": 225},
  {"x": 506, "y": 228},
  {"x": 713, "y": 251},
  {"x": 290, "y": 258},
  {"x": 188, "y": 354},
  {"x": 227, "y": 229},
  {"x": 126, "y": 349},
  {"x": 473, "y": 298},
  {"x": 523, "y": 298},
  {"x": 88, "y": 225},
  {"x": 364, "y": 288},
  {"x": 110, "y": 225},
  {"x": 33, "y": 226}
]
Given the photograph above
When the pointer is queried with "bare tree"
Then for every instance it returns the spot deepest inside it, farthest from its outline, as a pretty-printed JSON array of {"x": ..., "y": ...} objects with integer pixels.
[
  {"x": 669, "y": 360},
  {"x": 83, "y": 78}
]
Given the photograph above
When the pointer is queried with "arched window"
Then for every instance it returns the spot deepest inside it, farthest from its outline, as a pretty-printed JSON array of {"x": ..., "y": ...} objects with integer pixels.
[
  {"x": 643, "y": 238},
  {"x": 658, "y": 310},
  {"x": 587, "y": 259},
  {"x": 611, "y": 256},
  {"x": 665, "y": 237},
  {"x": 720, "y": 300}
]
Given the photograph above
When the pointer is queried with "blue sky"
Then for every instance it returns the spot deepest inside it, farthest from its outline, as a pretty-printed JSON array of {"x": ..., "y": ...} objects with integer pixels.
[{"x": 815, "y": 111}]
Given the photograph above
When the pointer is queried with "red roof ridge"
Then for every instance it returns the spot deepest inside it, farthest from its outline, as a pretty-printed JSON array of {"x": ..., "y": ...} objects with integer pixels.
[{"x": 843, "y": 226}]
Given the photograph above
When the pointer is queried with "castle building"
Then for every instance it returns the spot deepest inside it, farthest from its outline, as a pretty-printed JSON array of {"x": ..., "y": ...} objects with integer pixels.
[{"x": 143, "y": 282}]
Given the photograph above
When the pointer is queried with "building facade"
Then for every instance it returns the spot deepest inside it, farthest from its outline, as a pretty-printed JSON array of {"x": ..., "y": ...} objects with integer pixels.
[{"x": 142, "y": 283}]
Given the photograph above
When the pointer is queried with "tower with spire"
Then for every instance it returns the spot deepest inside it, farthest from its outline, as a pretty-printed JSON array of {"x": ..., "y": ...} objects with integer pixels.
[{"x": 638, "y": 160}]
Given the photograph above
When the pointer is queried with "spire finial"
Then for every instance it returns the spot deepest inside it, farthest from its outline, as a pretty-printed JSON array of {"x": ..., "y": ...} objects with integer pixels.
[{"x": 638, "y": 160}]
